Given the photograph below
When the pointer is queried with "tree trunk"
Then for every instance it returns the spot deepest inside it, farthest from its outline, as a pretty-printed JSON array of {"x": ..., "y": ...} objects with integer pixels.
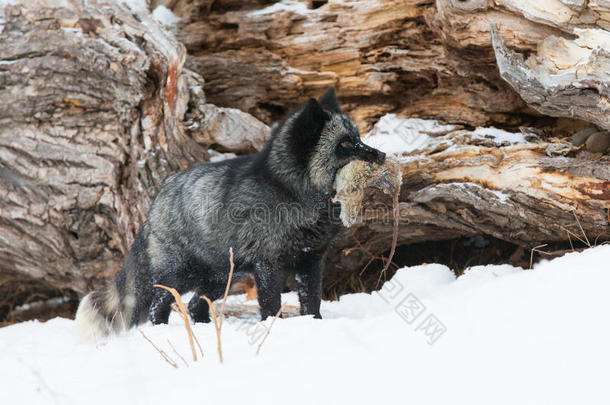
[{"x": 95, "y": 100}]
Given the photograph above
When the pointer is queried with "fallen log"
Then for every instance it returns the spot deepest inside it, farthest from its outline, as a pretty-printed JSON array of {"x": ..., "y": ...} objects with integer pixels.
[
  {"x": 415, "y": 58},
  {"x": 97, "y": 109},
  {"x": 566, "y": 78},
  {"x": 517, "y": 187}
]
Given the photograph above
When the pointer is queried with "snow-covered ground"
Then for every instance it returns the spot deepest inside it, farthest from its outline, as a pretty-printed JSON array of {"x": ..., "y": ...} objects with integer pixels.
[{"x": 496, "y": 335}]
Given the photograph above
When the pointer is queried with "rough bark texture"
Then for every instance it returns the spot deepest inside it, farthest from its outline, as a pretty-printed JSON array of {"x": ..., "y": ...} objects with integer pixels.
[
  {"x": 98, "y": 108},
  {"x": 565, "y": 78},
  {"x": 417, "y": 58},
  {"x": 526, "y": 191},
  {"x": 94, "y": 99}
]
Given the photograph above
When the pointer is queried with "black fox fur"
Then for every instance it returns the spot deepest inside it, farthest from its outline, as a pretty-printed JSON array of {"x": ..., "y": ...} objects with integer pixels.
[{"x": 273, "y": 208}]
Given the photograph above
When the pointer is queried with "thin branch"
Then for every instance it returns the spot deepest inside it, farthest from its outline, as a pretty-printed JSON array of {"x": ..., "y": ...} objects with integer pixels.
[
  {"x": 163, "y": 354},
  {"x": 216, "y": 326},
  {"x": 366, "y": 266},
  {"x": 217, "y": 321},
  {"x": 224, "y": 300},
  {"x": 176, "y": 352},
  {"x": 574, "y": 235},
  {"x": 536, "y": 249},
  {"x": 187, "y": 325},
  {"x": 581, "y": 230},
  {"x": 279, "y": 312}
]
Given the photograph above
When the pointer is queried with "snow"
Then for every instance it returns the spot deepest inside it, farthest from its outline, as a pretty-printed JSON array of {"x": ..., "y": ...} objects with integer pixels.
[
  {"x": 135, "y": 5},
  {"x": 394, "y": 135},
  {"x": 40, "y": 304},
  {"x": 284, "y": 5},
  {"x": 4, "y": 3},
  {"x": 495, "y": 335},
  {"x": 165, "y": 16},
  {"x": 216, "y": 156},
  {"x": 499, "y": 136},
  {"x": 74, "y": 31},
  {"x": 397, "y": 136}
]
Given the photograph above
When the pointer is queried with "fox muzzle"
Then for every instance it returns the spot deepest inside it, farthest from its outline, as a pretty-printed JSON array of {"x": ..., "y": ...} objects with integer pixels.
[{"x": 368, "y": 154}]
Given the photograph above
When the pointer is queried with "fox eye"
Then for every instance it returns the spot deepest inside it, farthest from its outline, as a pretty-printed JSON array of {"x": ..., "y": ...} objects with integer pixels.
[{"x": 346, "y": 143}]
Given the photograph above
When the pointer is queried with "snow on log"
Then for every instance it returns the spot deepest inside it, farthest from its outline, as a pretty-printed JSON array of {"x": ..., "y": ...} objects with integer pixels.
[{"x": 518, "y": 187}]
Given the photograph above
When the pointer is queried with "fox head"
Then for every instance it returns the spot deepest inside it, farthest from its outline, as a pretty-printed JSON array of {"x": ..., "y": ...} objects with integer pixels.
[{"x": 321, "y": 139}]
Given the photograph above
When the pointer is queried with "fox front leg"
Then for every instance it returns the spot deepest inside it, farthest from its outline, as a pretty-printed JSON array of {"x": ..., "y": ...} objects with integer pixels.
[
  {"x": 308, "y": 276},
  {"x": 269, "y": 284}
]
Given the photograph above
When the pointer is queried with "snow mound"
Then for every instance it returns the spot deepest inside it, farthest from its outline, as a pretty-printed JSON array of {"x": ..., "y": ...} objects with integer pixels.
[{"x": 495, "y": 335}]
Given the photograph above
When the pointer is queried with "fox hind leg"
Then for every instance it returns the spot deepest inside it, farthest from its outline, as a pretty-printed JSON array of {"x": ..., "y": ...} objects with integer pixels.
[
  {"x": 198, "y": 307},
  {"x": 160, "y": 306}
]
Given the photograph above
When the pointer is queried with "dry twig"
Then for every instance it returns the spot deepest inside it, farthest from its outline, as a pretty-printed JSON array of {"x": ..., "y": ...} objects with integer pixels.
[
  {"x": 163, "y": 354},
  {"x": 217, "y": 321},
  {"x": 537, "y": 249},
  {"x": 224, "y": 300},
  {"x": 187, "y": 325},
  {"x": 581, "y": 230},
  {"x": 279, "y": 312},
  {"x": 176, "y": 352}
]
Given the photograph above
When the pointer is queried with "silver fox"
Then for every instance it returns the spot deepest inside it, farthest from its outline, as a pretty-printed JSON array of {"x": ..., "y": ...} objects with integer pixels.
[{"x": 273, "y": 208}]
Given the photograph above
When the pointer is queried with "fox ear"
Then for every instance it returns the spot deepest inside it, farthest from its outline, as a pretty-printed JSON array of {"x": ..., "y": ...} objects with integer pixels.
[
  {"x": 329, "y": 100},
  {"x": 314, "y": 113},
  {"x": 306, "y": 130}
]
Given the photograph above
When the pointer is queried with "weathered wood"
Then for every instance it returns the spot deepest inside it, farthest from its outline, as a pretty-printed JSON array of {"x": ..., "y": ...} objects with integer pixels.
[
  {"x": 518, "y": 188},
  {"x": 565, "y": 78},
  {"x": 416, "y": 58},
  {"x": 94, "y": 101},
  {"x": 383, "y": 56}
]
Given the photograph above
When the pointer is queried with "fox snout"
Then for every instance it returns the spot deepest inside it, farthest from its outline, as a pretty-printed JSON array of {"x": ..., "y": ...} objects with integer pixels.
[{"x": 368, "y": 154}]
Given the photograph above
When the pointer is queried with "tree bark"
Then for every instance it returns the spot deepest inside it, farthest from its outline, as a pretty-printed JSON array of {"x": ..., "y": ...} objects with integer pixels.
[
  {"x": 415, "y": 58},
  {"x": 95, "y": 104},
  {"x": 565, "y": 78}
]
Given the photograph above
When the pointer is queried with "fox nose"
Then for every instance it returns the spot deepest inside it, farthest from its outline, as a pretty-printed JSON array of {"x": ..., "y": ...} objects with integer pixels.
[{"x": 368, "y": 154}]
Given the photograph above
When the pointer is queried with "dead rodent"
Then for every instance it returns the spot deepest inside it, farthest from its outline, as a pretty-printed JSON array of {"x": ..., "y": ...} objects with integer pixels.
[{"x": 354, "y": 178}]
